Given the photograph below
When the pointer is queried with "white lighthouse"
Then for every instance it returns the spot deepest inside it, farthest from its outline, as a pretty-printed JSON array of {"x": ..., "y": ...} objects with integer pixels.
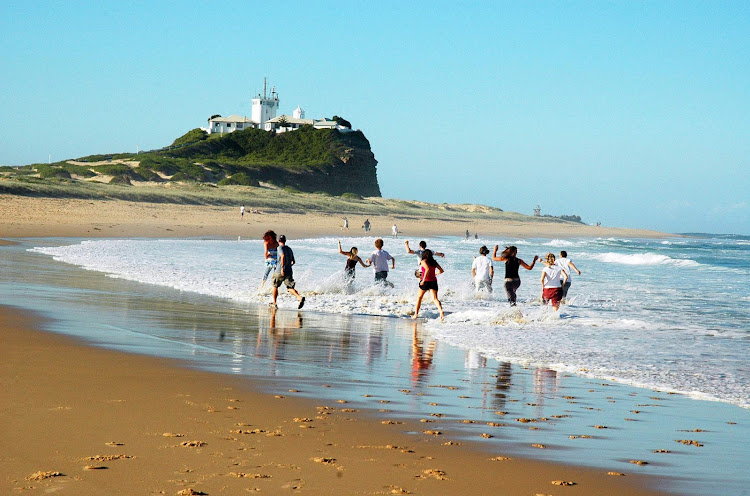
[{"x": 264, "y": 107}]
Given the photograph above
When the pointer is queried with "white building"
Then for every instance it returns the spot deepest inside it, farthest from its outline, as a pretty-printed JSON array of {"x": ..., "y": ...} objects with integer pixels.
[{"x": 263, "y": 116}]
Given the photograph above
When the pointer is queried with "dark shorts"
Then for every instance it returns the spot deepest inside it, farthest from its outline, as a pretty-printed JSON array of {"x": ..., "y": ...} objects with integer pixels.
[
  {"x": 552, "y": 295},
  {"x": 381, "y": 276},
  {"x": 428, "y": 285},
  {"x": 565, "y": 288},
  {"x": 286, "y": 279}
]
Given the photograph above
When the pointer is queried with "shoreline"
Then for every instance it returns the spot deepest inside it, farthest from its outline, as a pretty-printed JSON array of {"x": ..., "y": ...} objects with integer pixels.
[
  {"x": 30, "y": 217},
  {"x": 69, "y": 401}
]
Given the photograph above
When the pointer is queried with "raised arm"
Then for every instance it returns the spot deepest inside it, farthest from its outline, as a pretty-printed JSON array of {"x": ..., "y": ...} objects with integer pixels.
[
  {"x": 408, "y": 249},
  {"x": 346, "y": 253},
  {"x": 495, "y": 257}
]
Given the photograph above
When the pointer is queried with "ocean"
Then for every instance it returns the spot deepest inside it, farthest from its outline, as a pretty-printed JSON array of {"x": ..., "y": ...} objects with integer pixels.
[{"x": 664, "y": 314}]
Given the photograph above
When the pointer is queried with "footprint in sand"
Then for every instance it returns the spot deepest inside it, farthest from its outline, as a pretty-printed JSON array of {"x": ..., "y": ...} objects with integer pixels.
[
  {"x": 113, "y": 443},
  {"x": 172, "y": 434},
  {"x": 95, "y": 467},
  {"x": 41, "y": 475},
  {"x": 434, "y": 473},
  {"x": 563, "y": 483}
]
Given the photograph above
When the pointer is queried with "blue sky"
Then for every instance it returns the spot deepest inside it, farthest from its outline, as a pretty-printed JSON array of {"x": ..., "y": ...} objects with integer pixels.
[{"x": 635, "y": 114}]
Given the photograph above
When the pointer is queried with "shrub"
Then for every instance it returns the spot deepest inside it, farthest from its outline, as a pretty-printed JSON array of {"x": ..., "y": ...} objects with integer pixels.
[
  {"x": 54, "y": 172},
  {"x": 192, "y": 136},
  {"x": 122, "y": 180},
  {"x": 351, "y": 196},
  {"x": 79, "y": 170},
  {"x": 291, "y": 189},
  {"x": 239, "y": 179}
]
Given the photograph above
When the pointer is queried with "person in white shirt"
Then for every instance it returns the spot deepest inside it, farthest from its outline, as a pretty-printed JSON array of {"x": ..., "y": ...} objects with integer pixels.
[
  {"x": 566, "y": 264},
  {"x": 379, "y": 261},
  {"x": 394, "y": 230},
  {"x": 552, "y": 280},
  {"x": 483, "y": 271}
]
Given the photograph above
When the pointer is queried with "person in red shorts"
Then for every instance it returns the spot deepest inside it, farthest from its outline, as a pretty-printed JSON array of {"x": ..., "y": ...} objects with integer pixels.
[{"x": 553, "y": 279}]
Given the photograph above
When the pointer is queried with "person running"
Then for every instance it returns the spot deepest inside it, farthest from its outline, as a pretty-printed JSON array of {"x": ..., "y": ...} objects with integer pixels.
[
  {"x": 284, "y": 273},
  {"x": 270, "y": 253},
  {"x": 483, "y": 271},
  {"x": 379, "y": 262},
  {"x": 553, "y": 279},
  {"x": 366, "y": 225},
  {"x": 512, "y": 262},
  {"x": 566, "y": 264},
  {"x": 351, "y": 262},
  {"x": 428, "y": 282}
]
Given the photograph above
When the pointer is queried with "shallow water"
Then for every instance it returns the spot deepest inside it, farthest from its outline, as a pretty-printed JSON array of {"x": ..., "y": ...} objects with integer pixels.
[
  {"x": 411, "y": 371},
  {"x": 665, "y": 314}
]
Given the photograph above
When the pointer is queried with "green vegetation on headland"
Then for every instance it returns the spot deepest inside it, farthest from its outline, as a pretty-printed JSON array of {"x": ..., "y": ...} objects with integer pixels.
[
  {"x": 304, "y": 170},
  {"x": 306, "y": 159}
]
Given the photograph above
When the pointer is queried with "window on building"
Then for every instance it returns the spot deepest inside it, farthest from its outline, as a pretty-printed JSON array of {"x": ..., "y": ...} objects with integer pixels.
[{"x": 239, "y": 125}]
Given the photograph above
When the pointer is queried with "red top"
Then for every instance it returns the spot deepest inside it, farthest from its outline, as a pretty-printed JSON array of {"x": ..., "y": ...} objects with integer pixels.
[{"x": 430, "y": 274}]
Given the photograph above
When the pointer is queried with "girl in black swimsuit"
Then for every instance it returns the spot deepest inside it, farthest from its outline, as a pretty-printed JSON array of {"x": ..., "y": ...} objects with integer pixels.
[
  {"x": 351, "y": 262},
  {"x": 512, "y": 262}
]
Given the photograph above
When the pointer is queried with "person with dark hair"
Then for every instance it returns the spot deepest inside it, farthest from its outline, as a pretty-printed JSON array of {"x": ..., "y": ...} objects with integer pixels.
[
  {"x": 512, "y": 263},
  {"x": 566, "y": 264},
  {"x": 284, "y": 274},
  {"x": 428, "y": 282},
  {"x": 270, "y": 253},
  {"x": 379, "y": 262},
  {"x": 482, "y": 270},
  {"x": 351, "y": 262},
  {"x": 553, "y": 279}
]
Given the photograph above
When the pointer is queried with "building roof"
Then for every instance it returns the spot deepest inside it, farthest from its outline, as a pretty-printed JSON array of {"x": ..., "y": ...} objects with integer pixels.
[
  {"x": 291, "y": 120},
  {"x": 231, "y": 118}
]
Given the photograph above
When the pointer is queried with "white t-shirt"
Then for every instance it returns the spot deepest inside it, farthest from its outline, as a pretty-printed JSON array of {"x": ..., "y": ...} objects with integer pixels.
[
  {"x": 379, "y": 259},
  {"x": 482, "y": 265},
  {"x": 554, "y": 276},
  {"x": 564, "y": 264}
]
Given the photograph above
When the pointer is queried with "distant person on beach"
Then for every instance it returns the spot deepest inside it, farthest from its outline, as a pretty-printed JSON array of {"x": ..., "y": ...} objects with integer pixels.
[
  {"x": 270, "y": 254},
  {"x": 394, "y": 230},
  {"x": 351, "y": 262},
  {"x": 284, "y": 273},
  {"x": 512, "y": 262},
  {"x": 242, "y": 211},
  {"x": 566, "y": 264},
  {"x": 483, "y": 271},
  {"x": 467, "y": 235},
  {"x": 553, "y": 279},
  {"x": 366, "y": 225},
  {"x": 379, "y": 262},
  {"x": 346, "y": 224},
  {"x": 428, "y": 282}
]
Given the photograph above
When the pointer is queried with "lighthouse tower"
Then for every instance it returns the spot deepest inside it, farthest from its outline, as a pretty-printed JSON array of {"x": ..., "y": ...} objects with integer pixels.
[{"x": 264, "y": 107}]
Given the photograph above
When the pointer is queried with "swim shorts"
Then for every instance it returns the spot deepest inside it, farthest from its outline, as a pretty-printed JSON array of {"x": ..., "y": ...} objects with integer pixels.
[
  {"x": 428, "y": 285},
  {"x": 279, "y": 278}
]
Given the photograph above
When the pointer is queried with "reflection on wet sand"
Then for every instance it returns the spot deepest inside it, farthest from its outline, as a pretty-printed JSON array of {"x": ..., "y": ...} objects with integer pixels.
[{"x": 421, "y": 356}]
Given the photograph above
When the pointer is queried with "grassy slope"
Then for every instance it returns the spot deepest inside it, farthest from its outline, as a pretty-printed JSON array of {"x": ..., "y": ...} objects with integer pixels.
[{"x": 267, "y": 199}]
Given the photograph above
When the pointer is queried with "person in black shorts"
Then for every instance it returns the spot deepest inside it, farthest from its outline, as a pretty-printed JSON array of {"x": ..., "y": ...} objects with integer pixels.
[
  {"x": 428, "y": 282},
  {"x": 284, "y": 273},
  {"x": 512, "y": 262}
]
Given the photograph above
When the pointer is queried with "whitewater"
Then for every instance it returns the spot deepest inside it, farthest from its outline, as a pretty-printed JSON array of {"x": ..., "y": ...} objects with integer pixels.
[{"x": 665, "y": 314}]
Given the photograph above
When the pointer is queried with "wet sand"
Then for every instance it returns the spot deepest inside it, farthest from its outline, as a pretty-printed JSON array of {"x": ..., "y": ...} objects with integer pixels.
[{"x": 82, "y": 420}]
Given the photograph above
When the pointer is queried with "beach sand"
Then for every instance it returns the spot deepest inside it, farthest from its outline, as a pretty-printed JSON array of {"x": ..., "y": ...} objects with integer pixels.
[
  {"x": 23, "y": 216},
  {"x": 81, "y": 420},
  {"x": 114, "y": 423}
]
